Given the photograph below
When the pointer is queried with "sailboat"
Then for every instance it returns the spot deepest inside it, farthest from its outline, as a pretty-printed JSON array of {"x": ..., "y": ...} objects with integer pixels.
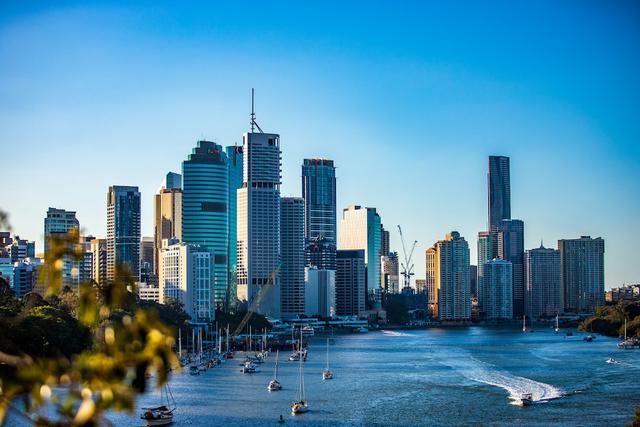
[
  {"x": 300, "y": 406},
  {"x": 524, "y": 323},
  {"x": 327, "y": 374},
  {"x": 274, "y": 384},
  {"x": 163, "y": 414},
  {"x": 557, "y": 328}
]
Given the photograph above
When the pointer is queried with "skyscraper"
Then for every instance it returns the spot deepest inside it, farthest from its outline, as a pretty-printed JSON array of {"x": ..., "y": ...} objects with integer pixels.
[
  {"x": 448, "y": 268},
  {"x": 319, "y": 292},
  {"x": 510, "y": 246},
  {"x": 147, "y": 261},
  {"x": 205, "y": 201},
  {"x": 360, "y": 228},
  {"x": 259, "y": 222},
  {"x": 167, "y": 213},
  {"x": 123, "y": 230},
  {"x": 431, "y": 285},
  {"x": 60, "y": 222},
  {"x": 499, "y": 190},
  {"x": 498, "y": 278},
  {"x": 485, "y": 254},
  {"x": 319, "y": 194},
  {"x": 389, "y": 276},
  {"x": 186, "y": 272},
  {"x": 582, "y": 273},
  {"x": 292, "y": 277},
  {"x": 350, "y": 282},
  {"x": 99, "y": 260},
  {"x": 234, "y": 157},
  {"x": 542, "y": 282}
]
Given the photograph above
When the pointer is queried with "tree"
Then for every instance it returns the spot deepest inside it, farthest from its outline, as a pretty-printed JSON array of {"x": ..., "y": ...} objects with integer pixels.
[{"x": 87, "y": 379}]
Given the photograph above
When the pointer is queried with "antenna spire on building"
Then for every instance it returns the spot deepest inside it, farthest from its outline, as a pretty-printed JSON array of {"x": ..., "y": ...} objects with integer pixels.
[{"x": 254, "y": 124}]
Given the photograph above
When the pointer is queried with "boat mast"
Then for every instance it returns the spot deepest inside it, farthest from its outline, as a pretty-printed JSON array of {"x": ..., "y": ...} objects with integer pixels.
[{"x": 327, "y": 354}]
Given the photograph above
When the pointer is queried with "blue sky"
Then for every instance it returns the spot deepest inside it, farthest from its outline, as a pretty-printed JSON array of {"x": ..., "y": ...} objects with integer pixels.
[{"x": 409, "y": 99}]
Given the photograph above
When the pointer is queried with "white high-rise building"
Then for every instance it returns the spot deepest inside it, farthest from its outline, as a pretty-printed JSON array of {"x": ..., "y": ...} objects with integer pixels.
[
  {"x": 542, "y": 281},
  {"x": 258, "y": 220},
  {"x": 186, "y": 274},
  {"x": 360, "y": 228}
]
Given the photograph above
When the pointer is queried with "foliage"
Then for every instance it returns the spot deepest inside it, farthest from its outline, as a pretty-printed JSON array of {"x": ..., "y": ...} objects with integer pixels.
[
  {"x": 93, "y": 346},
  {"x": 609, "y": 319},
  {"x": 257, "y": 321},
  {"x": 636, "y": 418}
]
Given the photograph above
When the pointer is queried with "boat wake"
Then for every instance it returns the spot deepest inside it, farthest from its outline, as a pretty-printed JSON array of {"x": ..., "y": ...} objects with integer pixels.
[
  {"x": 395, "y": 334},
  {"x": 516, "y": 386}
]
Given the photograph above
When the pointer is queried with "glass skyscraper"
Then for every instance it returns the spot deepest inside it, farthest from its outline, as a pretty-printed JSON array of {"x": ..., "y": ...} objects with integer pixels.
[
  {"x": 319, "y": 194},
  {"x": 292, "y": 283},
  {"x": 205, "y": 201},
  {"x": 582, "y": 273},
  {"x": 235, "y": 155},
  {"x": 123, "y": 230},
  {"x": 510, "y": 246},
  {"x": 499, "y": 190}
]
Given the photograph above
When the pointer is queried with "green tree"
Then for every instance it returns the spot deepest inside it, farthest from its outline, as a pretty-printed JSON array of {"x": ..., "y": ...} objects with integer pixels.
[{"x": 88, "y": 377}]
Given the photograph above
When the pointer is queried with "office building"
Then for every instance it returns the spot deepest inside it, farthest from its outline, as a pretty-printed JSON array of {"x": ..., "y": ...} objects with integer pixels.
[
  {"x": 498, "y": 276},
  {"x": 510, "y": 247},
  {"x": 123, "y": 230},
  {"x": 186, "y": 274},
  {"x": 448, "y": 270},
  {"x": 360, "y": 228},
  {"x": 259, "y": 222},
  {"x": 319, "y": 194},
  {"x": 581, "y": 274},
  {"x": 147, "y": 260},
  {"x": 167, "y": 214},
  {"x": 25, "y": 276},
  {"x": 485, "y": 254},
  {"x": 350, "y": 282},
  {"x": 86, "y": 260},
  {"x": 384, "y": 241},
  {"x": 234, "y": 159},
  {"x": 389, "y": 274},
  {"x": 542, "y": 282},
  {"x": 319, "y": 292},
  {"x": 473, "y": 280},
  {"x": 499, "y": 190},
  {"x": 292, "y": 277},
  {"x": 421, "y": 286},
  {"x": 148, "y": 292},
  {"x": 59, "y": 222},
  {"x": 431, "y": 286},
  {"x": 205, "y": 203},
  {"x": 99, "y": 260}
]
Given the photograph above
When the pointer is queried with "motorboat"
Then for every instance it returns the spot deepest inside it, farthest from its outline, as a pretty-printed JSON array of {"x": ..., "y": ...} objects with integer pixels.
[
  {"x": 249, "y": 367},
  {"x": 526, "y": 399},
  {"x": 611, "y": 360},
  {"x": 193, "y": 370},
  {"x": 326, "y": 373}
]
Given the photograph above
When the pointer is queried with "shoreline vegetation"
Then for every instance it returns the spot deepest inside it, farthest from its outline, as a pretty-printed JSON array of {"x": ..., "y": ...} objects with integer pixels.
[{"x": 609, "y": 320}]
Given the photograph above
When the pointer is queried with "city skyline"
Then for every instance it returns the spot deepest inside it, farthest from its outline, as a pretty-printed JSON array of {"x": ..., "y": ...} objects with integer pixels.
[{"x": 594, "y": 156}]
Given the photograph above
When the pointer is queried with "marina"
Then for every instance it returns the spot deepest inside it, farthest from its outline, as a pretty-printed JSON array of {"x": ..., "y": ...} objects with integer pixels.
[{"x": 430, "y": 377}]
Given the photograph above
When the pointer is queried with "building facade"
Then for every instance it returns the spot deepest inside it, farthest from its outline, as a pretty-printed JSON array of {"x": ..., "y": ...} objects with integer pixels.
[
  {"x": 485, "y": 254},
  {"x": 448, "y": 268},
  {"x": 498, "y": 276},
  {"x": 360, "y": 228},
  {"x": 123, "y": 230},
  {"x": 205, "y": 203},
  {"x": 499, "y": 190},
  {"x": 350, "y": 282},
  {"x": 186, "y": 274},
  {"x": 167, "y": 215},
  {"x": 320, "y": 292},
  {"x": 389, "y": 274},
  {"x": 259, "y": 223},
  {"x": 235, "y": 155},
  {"x": 59, "y": 222},
  {"x": 510, "y": 247},
  {"x": 292, "y": 277},
  {"x": 99, "y": 260},
  {"x": 319, "y": 194},
  {"x": 581, "y": 274},
  {"x": 542, "y": 282}
]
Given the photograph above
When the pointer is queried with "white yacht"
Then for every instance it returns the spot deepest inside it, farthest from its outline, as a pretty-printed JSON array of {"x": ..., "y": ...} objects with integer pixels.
[
  {"x": 327, "y": 374},
  {"x": 161, "y": 415},
  {"x": 274, "y": 384},
  {"x": 300, "y": 406},
  {"x": 526, "y": 399},
  {"x": 611, "y": 360},
  {"x": 249, "y": 367}
]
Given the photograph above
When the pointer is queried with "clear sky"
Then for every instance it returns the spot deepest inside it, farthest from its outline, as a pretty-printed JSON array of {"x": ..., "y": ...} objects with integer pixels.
[{"x": 409, "y": 99}]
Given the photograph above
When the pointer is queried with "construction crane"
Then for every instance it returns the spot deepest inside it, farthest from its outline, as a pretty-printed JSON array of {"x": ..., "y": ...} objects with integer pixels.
[
  {"x": 256, "y": 301},
  {"x": 407, "y": 265}
]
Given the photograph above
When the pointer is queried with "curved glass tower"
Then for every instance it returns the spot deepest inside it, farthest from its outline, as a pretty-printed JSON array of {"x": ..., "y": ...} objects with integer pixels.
[{"x": 205, "y": 201}]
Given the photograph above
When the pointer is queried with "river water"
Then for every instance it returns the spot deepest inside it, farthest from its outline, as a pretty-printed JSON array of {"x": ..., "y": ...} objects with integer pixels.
[{"x": 434, "y": 377}]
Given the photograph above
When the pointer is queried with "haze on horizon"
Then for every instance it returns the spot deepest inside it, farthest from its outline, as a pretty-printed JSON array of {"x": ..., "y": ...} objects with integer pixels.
[{"x": 408, "y": 98}]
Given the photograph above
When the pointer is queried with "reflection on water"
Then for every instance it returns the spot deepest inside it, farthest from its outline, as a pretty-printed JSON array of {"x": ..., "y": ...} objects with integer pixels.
[{"x": 427, "y": 377}]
